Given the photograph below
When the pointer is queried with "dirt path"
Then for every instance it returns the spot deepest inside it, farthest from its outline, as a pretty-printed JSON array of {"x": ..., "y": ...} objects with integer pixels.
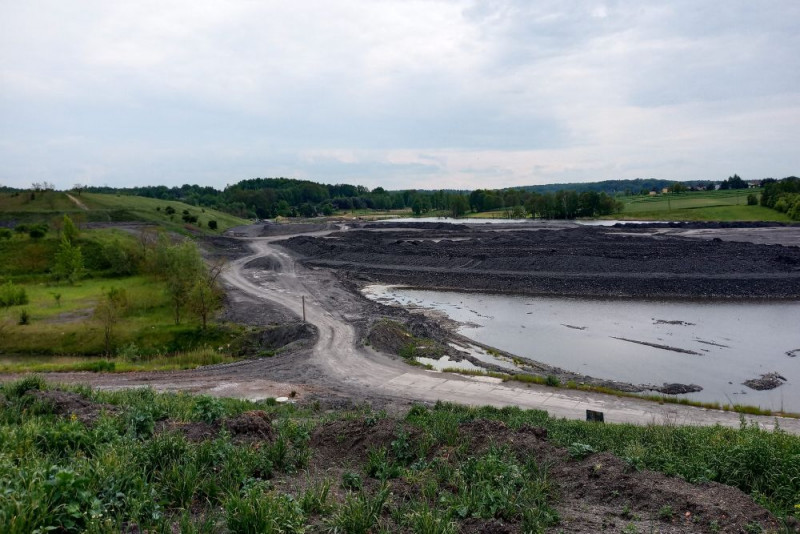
[{"x": 77, "y": 202}]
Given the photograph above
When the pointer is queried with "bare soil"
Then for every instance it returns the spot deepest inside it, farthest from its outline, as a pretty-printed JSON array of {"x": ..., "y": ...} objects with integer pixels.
[{"x": 576, "y": 261}]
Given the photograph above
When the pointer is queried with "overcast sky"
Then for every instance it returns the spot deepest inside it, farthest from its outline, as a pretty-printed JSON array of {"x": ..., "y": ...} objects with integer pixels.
[{"x": 399, "y": 94}]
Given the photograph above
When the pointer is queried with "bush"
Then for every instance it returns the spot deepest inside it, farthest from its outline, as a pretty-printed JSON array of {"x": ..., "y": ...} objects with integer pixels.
[
  {"x": 752, "y": 200},
  {"x": 12, "y": 295},
  {"x": 212, "y": 224},
  {"x": 24, "y": 317},
  {"x": 5, "y": 233}
]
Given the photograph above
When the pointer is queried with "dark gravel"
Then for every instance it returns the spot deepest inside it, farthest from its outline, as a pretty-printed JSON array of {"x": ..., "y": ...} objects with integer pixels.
[{"x": 584, "y": 261}]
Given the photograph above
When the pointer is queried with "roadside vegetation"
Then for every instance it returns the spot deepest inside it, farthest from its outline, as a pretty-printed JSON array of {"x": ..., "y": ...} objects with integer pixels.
[{"x": 77, "y": 460}]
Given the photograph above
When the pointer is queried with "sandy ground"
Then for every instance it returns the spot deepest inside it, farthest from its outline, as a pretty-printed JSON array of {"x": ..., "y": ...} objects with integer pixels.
[{"x": 268, "y": 284}]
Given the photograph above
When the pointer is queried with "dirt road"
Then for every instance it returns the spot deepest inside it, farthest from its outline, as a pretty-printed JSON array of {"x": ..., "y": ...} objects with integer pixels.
[{"x": 340, "y": 358}]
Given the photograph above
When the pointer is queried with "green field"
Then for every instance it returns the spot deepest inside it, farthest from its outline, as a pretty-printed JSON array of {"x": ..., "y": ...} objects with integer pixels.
[
  {"x": 698, "y": 206},
  {"x": 50, "y": 206}
]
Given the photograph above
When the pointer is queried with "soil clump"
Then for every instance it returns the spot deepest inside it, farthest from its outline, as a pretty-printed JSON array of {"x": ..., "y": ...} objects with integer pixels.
[{"x": 68, "y": 404}]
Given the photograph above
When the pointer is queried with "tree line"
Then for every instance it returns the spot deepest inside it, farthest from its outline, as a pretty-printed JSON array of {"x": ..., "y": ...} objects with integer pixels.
[{"x": 782, "y": 195}]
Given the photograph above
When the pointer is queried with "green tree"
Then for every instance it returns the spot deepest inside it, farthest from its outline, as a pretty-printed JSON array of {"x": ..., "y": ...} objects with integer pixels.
[
  {"x": 108, "y": 310},
  {"x": 69, "y": 230},
  {"x": 206, "y": 296},
  {"x": 68, "y": 263},
  {"x": 458, "y": 206},
  {"x": 181, "y": 267}
]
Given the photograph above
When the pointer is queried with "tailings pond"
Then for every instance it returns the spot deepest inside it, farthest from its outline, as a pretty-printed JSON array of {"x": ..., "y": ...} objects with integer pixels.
[{"x": 717, "y": 345}]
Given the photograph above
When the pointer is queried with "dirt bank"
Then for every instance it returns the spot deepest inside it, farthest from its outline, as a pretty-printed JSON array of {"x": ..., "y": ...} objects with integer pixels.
[{"x": 576, "y": 261}]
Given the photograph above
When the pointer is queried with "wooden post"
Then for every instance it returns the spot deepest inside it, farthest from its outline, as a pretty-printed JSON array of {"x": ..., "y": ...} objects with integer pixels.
[{"x": 304, "y": 308}]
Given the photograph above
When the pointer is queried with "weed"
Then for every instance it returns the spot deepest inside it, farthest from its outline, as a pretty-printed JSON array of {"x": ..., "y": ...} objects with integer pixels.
[
  {"x": 666, "y": 513},
  {"x": 380, "y": 466},
  {"x": 207, "y": 409},
  {"x": 401, "y": 447},
  {"x": 24, "y": 317},
  {"x": 360, "y": 513},
  {"x": 552, "y": 381},
  {"x": 351, "y": 481},
  {"x": 15, "y": 390},
  {"x": 580, "y": 451},
  {"x": 314, "y": 499},
  {"x": 254, "y": 511}
]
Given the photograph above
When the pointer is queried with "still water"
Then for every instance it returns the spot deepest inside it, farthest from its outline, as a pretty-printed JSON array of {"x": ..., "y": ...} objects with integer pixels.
[{"x": 715, "y": 344}]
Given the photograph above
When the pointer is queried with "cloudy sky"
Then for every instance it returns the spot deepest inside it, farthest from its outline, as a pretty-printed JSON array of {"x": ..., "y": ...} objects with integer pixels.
[{"x": 399, "y": 94}]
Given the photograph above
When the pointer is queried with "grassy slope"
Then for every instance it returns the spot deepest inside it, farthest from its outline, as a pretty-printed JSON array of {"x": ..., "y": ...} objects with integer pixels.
[
  {"x": 52, "y": 205},
  {"x": 99, "y": 478},
  {"x": 147, "y": 209}
]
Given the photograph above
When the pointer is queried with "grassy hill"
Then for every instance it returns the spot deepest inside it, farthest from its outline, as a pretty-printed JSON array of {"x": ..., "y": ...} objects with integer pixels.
[{"x": 26, "y": 207}]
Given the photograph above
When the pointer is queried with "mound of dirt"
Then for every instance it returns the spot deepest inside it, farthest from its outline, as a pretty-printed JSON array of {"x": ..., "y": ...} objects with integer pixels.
[
  {"x": 68, "y": 404},
  {"x": 250, "y": 426},
  {"x": 344, "y": 442},
  {"x": 389, "y": 337}
]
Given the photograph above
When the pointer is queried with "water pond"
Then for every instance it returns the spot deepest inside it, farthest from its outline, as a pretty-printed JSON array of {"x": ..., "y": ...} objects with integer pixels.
[{"x": 715, "y": 344}]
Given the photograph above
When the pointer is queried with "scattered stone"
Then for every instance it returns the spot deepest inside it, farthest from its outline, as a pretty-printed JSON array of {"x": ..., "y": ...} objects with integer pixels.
[
  {"x": 767, "y": 381},
  {"x": 679, "y": 389}
]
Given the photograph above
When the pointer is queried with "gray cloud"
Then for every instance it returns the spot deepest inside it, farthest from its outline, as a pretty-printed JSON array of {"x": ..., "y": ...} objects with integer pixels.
[{"x": 399, "y": 94}]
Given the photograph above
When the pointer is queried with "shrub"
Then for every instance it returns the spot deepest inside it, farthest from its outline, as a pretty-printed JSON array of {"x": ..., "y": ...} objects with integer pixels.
[
  {"x": 212, "y": 224},
  {"x": 207, "y": 409},
  {"x": 5, "y": 233},
  {"x": 24, "y": 318},
  {"x": 12, "y": 295},
  {"x": 752, "y": 200}
]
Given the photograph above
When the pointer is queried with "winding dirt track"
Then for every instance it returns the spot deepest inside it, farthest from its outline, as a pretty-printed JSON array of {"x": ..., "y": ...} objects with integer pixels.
[{"x": 340, "y": 358}]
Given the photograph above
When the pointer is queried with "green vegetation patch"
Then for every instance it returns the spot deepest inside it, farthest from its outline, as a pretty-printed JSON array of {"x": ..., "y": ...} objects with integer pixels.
[{"x": 76, "y": 460}]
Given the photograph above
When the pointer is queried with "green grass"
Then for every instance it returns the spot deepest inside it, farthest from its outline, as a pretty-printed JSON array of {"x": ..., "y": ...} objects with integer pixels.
[
  {"x": 51, "y": 206},
  {"x": 426, "y": 476},
  {"x": 698, "y": 206},
  {"x": 67, "y": 326}
]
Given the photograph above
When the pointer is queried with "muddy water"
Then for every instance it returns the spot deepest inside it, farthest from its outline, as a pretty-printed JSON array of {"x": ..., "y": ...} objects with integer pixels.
[{"x": 717, "y": 345}]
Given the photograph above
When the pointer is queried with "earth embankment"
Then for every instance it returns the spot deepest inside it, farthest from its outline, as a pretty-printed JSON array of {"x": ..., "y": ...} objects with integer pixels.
[{"x": 577, "y": 261}]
